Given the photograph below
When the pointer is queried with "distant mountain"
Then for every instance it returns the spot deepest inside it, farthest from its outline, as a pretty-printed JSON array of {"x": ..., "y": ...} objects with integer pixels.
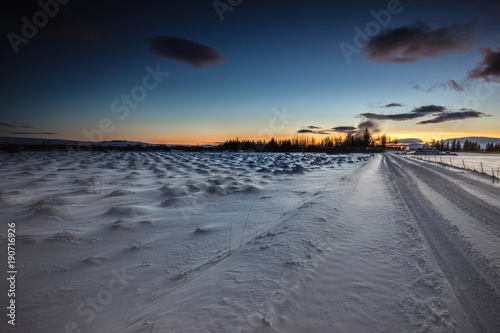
[
  {"x": 482, "y": 140},
  {"x": 411, "y": 143},
  {"x": 36, "y": 141}
]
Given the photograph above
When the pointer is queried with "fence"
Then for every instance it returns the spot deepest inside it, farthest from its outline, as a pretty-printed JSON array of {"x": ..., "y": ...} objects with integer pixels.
[{"x": 490, "y": 168}]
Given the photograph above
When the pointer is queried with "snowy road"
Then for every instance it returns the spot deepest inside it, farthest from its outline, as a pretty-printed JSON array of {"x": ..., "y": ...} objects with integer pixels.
[
  {"x": 460, "y": 224},
  {"x": 416, "y": 249}
]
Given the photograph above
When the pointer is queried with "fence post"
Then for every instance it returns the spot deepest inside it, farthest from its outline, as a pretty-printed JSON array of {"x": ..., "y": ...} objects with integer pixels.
[
  {"x": 493, "y": 176},
  {"x": 463, "y": 163},
  {"x": 451, "y": 163},
  {"x": 482, "y": 170}
]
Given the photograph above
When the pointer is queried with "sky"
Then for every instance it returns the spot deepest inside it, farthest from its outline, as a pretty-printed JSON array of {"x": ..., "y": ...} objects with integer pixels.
[{"x": 202, "y": 72}]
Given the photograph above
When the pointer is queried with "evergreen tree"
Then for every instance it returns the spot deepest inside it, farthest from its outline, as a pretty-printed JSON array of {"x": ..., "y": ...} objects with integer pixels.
[{"x": 367, "y": 137}]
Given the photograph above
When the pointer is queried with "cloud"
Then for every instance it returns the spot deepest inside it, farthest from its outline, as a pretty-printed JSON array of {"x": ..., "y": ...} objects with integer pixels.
[
  {"x": 349, "y": 130},
  {"x": 457, "y": 115},
  {"x": 429, "y": 109},
  {"x": 459, "y": 87},
  {"x": 411, "y": 43},
  {"x": 314, "y": 130},
  {"x": 393, "y": 105},
  {"x": 178, "y": 49},
  {"x": 16, "y": 125},
  {"x": 371, "y": 125},
  {"x": 395, "y": 117},
  {"x": 416, "y": 86},
  {"x": 29, "y": 133},
  {"x": 489, "y": 67},
  {"x": 321, "y": 130},
  {"x": 344, "y": 129},
  {"x": 417, "y": 112}
]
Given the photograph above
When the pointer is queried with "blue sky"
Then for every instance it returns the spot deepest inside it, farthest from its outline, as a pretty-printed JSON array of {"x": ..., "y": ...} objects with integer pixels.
[{"x": 270, "y": 57}]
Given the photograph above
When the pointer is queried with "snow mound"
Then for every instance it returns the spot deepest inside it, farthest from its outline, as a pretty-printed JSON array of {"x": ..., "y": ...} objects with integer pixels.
[
  {"x": 178, "y": 202},
  {"x": 119, "y": 193},
  {"x": 64, "y": 236},
  {"x": 216, "y": 190}
]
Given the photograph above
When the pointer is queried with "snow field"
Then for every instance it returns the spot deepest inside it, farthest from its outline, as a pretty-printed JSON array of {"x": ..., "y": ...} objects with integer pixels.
[{"x": 231, "y": 242}]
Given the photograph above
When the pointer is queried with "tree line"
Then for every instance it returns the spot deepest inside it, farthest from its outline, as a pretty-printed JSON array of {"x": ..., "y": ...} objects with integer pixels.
[
  {"x": 359, "y": 142},
  {"x": 468, "y": 146},
  {"x": 299, "y": 143}
]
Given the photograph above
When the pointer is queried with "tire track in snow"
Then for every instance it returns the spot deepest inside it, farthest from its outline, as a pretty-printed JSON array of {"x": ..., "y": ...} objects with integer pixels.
[
  {"x": 467, "y": 217},
  {"x": 373, "y": 276},
  {"x": 462, "y": 176},
  {"x": 465, "y": 276},
  {"x": 487, "y": 214}
]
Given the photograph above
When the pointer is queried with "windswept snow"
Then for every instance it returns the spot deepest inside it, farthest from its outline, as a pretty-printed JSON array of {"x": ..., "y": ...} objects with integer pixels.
[{"x": 202, "y": 242}]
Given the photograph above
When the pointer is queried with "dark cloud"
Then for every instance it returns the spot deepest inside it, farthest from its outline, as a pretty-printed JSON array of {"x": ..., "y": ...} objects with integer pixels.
[
  {"x": 349, "y": 130},
  {"x": 320, "y": 130},
  {"x": 416, "y": 86},
  {"x": 459, "y": 87},
  {"x": 315, "y": 130},
  {"x": 16, "y": 125},
  {"x": 489, "y": 67},
  {"x": 344, "y": 129},
  {"x": 418, "y": 112},
  {"x": 458, "y": 115},
  {"x": 178, "y": 49},
  {"x": 395, "y": 117},
  {"x": 393, "y": 105},
  {"x": 411, "y": 43},
  {"x": 454, "y": 85},
  {"x": 371, "y": 125},
  {"x": 488, "y": 70},
  {"x": 429, "y": 109},
  {"x": 29, "y": 133}
]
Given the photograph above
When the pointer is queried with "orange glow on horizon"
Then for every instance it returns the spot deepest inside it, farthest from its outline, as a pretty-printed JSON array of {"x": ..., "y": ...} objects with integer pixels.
[
  {"x": 217, "y": 139},
  {"x": 211, "y": 138}
]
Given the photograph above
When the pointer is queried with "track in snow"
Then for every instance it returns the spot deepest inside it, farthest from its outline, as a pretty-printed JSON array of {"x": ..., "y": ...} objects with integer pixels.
[
  {"x": 405, "y": 253},
  {"x": 472, "y": 275}
]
